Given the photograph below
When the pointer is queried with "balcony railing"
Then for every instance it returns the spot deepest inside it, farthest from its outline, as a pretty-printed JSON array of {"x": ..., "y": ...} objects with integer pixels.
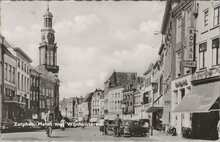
[{"x": 13, "y": 100}]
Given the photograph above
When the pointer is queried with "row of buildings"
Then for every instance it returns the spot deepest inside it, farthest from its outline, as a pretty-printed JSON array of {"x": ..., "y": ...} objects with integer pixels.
[
  {"x": 181, "y": 88},
  {"x": 27, "y": 91}
]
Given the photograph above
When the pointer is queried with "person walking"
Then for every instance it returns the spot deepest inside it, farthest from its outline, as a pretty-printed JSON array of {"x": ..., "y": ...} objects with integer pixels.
[
  {"x": 84, "y": 124},
  {"x": 118, "y": 122},
  {"x": 62, "y": 124},
  {"x": 48, "y": 122},
  {"x": 105, "y": 127}
]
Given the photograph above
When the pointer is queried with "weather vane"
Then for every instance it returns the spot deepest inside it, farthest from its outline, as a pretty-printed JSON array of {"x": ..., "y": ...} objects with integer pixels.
[{"x": 48, "y": 5}]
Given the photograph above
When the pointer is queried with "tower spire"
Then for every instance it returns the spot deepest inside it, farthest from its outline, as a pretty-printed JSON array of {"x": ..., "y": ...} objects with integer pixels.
[{"x": 48, "y": 8}]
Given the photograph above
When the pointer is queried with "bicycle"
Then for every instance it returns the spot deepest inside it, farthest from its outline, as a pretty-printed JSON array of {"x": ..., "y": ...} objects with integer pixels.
[{"x": 49, "y": 131}]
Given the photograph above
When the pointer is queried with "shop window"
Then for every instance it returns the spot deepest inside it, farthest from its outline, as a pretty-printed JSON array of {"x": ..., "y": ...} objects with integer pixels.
[
  {"x": 215, "y": 52},
  {"x": 216, "y": 16},
  {"x": 202, "y": 51}
]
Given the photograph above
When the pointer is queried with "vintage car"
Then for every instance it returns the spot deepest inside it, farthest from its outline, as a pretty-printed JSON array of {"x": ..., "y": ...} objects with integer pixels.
[
  {"x": 7, "y": 125},
  {"x": 133, "y": 128},
  {"x": 29, "y": 124},
  {"x": 111, "y": 125}
]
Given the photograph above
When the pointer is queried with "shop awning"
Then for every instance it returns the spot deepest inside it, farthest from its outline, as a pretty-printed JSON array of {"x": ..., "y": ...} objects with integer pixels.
[
  {"x": 200, "y": 98},
  {"x": 93, "y": 119},
  {"x": 154, "y": 108}
]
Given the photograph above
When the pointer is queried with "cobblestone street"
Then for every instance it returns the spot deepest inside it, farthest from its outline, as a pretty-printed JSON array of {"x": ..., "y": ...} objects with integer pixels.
[{"x": 87, "y": 134}]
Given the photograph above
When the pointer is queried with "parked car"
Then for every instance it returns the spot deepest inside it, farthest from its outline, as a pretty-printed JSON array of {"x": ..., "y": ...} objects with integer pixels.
[
  {"x": 7, "y": 125},
  {"x": 111, "y": 125},
  {"x": 133, "y": 128},
  {"x": 29, "y": 124}
]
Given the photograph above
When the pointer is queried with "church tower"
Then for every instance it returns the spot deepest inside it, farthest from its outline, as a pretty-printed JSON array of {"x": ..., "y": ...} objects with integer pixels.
[{"x": 48, "y": 46}]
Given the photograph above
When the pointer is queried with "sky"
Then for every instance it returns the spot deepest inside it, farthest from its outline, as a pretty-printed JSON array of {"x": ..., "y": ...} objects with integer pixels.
[{"x": 93, "y": 38}]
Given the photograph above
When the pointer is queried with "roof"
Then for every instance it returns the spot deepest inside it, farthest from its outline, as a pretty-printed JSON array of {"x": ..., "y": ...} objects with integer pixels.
[
  {"x": 139, "y": 81},
  {"x": 161, "y": 48},
  {"x": 166, "y": 16},
  {"x": 48, "y": 13},
  {"x": 20, "y": 51},
  {"x": 88, "y": 97},
  {"x": 98, "y": 90},
  {"x": 121, "y": 79},
  {"x": 149, "y": 69}
]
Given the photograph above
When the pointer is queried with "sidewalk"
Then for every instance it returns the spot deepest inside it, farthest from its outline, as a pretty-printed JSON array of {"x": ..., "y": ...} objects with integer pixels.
[{"x": 161, "y": 136}]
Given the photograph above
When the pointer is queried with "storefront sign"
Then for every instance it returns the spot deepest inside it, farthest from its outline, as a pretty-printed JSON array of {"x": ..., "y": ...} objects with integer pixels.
[
  {"x": 181, "y": 83},
  {"x": 191, "y": 43},
  {"x": 189, "y": 64},
  {"x": 206, "y": 74}
]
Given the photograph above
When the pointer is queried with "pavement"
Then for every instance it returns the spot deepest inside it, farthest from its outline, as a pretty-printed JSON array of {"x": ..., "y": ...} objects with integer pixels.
[{"x": 87, "y": 134}]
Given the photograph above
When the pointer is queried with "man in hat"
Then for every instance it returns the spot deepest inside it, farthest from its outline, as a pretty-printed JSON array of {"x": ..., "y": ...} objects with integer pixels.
[{"x": 117, "y": 125}]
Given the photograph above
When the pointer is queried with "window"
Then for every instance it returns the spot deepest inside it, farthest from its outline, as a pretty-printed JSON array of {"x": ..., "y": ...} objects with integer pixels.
[
  {"x": 202, "y": 50},
  {"x": 36, "y": 96},
  {"x": 33, "y": 95},
  {"x": 22, "y": 81},
  {"x": 13, "y": 74},
  {"x": 22, "y": 65},
  {"x": 215, "y": 52},
  {"x": 9, "y": 73},
  {"x": 182, "y": 93},
  {"x": 178, "y": 29},
  {"x": 206, "y": 14},
  {"x": 175, "y": 97},
  {"x": 27, "y": 69},
  {"x": 5, "y": 73},
  {"x": 216, "y": 16},
  {"x": 18, "y": 63},
  {"x": 19, "y": 80},
  {"x": 178, "y": 60}
]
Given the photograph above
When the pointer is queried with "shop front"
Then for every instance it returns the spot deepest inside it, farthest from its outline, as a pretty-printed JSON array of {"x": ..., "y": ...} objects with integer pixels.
[
  {"x": 202, "y": 102},
  {"x": 157, "y": 111},
  {"x": 179, "y": 90}
]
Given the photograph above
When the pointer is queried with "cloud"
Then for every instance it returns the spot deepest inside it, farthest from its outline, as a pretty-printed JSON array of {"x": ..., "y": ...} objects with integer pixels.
[
  {"x": 79, "y": 25},
  {"x": 126, "y": 34},
  {"x": 102, "y": 76},
  {"x": 93, "y": 39},
  {"x": 90, "y": 82},
  {"x": 71, "y": 89},
  {"x": 149, "y": 27}
]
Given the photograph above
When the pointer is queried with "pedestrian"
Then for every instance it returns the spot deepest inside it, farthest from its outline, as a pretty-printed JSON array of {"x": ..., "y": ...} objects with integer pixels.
[
  {"x": 101, "y": 127},
  {"x": 118, "y": 122},
  {"x": 62, "y": 124},
  {"x": 83, "y": 125},
  {"x": 106, "y": 127}
]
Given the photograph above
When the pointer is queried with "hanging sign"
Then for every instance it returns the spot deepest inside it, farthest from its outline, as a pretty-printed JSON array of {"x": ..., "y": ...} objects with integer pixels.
[
  {"x": 189, "y": 64},
  {"x": 191, "y": 43}
]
